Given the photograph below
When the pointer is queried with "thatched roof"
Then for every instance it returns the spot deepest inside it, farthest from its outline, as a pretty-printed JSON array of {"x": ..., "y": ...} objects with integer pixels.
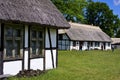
[
  {"x": 82, "y": 32},
  {"x": 41, "y": 12},
  {"x": 115, "y": 40}
]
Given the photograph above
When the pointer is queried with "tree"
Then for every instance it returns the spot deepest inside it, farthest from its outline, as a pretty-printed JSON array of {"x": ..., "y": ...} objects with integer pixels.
[
  {"x": 118, "y": 34},
  {"x": 71, "y": 9},
  {"x": 99, "y": 14}
]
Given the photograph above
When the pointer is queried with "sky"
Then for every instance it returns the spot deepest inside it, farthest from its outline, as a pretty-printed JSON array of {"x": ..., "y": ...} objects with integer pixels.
[{"x": 113, "y": 5}]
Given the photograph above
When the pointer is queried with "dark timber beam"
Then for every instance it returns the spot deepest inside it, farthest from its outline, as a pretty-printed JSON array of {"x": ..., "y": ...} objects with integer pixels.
[
  {"x": 29, "y": 47},
  {"x": 1, "y": 48},
  {"x": 44, "y": 51}
]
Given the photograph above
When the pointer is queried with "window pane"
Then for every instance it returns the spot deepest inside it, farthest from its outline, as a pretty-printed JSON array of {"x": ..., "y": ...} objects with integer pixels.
[
  {"x": 34, "y": 34},
  {"x": 40, "y": 47},
  {"x": 9, "y": 32},
  {"x": 17, "y": 48},
  {"x": 33, "y": 47},
  {"x": 40, "y": 34},
  {"x": 17, "y": 33},
  {"x": 9, "y": 46}
]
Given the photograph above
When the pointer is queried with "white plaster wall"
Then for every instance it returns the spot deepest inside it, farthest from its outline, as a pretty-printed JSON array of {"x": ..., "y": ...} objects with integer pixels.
[
  {"x": 71, "y": 45},
  {"x": 36, "y": 64},
  {"x": 12, "y": 67},
  {"x": 108, "y": 47},
  {"x": 93, "y": 45},
  {"x": 74, "y": 47},
  {"x": 84, "y": 47},
  {"x": 48, "y": 59},
  {"x": 77, "y": 45},
  {"x": 26, "y": 60}
]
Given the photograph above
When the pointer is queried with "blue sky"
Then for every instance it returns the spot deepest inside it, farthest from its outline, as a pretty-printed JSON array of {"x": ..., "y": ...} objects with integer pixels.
[{"x": 113, "y": 5}]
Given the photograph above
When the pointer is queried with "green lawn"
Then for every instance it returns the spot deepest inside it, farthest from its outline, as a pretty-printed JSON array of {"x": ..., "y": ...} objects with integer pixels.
[{"x": 83, "y": 65}]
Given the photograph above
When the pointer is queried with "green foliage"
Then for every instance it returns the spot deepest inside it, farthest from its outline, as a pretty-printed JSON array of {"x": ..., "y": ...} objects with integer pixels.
[
  {"x": 118, "y": 34},
  {"x": 83, "y": 65},
  {"x": 99, "y": 14},
  {"x": 72, "y": 9}
]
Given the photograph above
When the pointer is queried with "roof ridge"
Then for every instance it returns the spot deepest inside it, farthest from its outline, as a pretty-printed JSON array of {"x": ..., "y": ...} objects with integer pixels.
[{"x": 83, "y": 25}]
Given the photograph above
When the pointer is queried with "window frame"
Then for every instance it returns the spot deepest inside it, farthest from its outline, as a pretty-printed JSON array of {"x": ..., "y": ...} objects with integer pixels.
[
  {"x": 97, "y": 44},
  {"x": 14, "y": 38},
  {"x": 37, "y": 40}
]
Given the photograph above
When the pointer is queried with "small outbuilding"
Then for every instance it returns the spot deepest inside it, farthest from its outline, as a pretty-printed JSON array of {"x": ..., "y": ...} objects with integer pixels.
[
  {"x": 28, "y": 35},
  {"x": 83, "y": 37},
  {"x": 116, "y": 43}
]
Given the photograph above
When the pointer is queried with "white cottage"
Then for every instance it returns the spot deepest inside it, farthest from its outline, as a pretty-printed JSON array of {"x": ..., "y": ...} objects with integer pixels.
[
  {"x": 116, "y": 43},
  {"x": 83, "y": 37},
  {"x": 28, "y": 35}
]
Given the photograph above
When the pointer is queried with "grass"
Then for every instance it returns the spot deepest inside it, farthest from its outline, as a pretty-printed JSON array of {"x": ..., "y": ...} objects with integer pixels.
[{"x": 83, "y": 65}]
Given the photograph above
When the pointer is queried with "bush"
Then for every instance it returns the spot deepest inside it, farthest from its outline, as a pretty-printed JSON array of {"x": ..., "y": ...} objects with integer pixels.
[{"x": 29, "y": 73}]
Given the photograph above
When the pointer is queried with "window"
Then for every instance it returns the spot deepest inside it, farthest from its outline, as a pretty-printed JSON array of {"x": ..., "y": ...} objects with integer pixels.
[
  {"x": 13, "y": 43},
  {"x": 109, "y": 44},
  {"x": 91, "y": 44},
  {"x": 36, "y": 42},
  {"x": 60, "y": 36},
  {"x": 74, "y": 43},
  {"x": 97, "y": 44}
]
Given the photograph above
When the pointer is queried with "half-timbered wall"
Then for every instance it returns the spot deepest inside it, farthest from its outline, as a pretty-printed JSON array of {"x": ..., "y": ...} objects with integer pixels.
[
  {"x": 48, "y": 60},
  {"x": 64, "y": 42},
  {"x": 11, "y": 64},
  {"x": 108, "y": 46},
  {"x": 50, "y": 48},
  {"x": 74, "y": 45}
]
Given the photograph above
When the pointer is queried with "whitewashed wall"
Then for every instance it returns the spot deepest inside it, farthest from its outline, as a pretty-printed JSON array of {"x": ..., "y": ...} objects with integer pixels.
[
  {"x": 12, "y": 67},
  {"x": 84, "y": 46},
  {"x": 108, "y": 47},
  {"x": 48, "y": 56},
  {"x": 48, "y": 59},
  {"x": 74, "y": 47},
  {"x": 36, "y": 64}
]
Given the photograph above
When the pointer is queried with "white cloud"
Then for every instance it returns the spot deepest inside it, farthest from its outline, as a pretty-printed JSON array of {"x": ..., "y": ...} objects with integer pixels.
[{"x": 116, "y": 2}]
